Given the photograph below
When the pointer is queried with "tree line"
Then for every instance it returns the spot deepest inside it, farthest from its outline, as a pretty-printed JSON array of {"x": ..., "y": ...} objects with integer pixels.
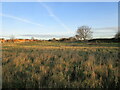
[{"x": 83, "y": 33}]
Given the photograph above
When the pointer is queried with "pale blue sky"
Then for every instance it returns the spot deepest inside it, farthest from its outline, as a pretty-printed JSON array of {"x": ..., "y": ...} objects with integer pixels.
[{"x": 58, "y": 19}]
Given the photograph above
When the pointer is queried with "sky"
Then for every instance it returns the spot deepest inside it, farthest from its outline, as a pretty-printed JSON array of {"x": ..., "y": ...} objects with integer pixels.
[{"x": 44, "y": 20}]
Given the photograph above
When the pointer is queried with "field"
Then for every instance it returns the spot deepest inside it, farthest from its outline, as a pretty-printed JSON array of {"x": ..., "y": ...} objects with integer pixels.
[{"x": 60, "y": 65}]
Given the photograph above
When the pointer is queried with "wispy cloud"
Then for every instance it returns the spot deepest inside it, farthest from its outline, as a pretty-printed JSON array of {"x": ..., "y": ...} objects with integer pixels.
[
  {"x": 105, "y": 29},
  {"x": 57, "y": 19},
  {"x": 39, "y": 36},
  {"x": 44, "y": 35},
  {"x": 20, "y": 19}
]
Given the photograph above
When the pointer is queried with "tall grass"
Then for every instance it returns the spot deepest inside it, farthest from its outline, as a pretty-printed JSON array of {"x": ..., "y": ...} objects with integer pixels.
[{"x": 60, "y": 68}]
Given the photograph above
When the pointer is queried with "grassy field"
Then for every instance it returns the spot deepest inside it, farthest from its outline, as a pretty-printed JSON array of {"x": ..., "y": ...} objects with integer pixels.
[{"x": 60, "y": 65}]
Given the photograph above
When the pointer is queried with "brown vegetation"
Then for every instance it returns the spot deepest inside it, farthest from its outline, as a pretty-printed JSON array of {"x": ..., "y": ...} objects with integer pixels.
[
  {"x": 30, "y": 66},
  {"x": 17, "y": 40}
]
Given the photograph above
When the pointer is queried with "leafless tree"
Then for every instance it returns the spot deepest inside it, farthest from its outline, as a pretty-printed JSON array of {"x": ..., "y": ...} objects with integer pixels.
[
  {"x": 84, "y": 33},
  {"x": 32, "y": 38},
  {"x": 117, "y": 35},
  {"x": 12, "y": 37}
]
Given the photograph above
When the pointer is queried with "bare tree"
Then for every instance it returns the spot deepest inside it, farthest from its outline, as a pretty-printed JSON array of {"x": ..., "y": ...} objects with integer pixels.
[
  {"x": 32, "y": 38},
  {"x": 84, "y": 33},
  {"x": 12, "y": 37},
  {"x": 117, "y": 35}
]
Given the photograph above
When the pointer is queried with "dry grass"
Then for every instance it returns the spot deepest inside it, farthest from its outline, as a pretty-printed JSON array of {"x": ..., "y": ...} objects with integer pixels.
[{"x": 60, "y": 66}]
